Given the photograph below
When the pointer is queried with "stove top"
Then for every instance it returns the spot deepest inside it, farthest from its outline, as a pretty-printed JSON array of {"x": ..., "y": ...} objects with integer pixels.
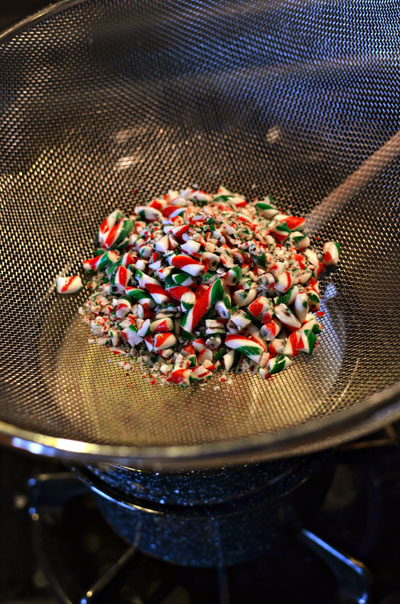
[{"x": 56, "y": 546}]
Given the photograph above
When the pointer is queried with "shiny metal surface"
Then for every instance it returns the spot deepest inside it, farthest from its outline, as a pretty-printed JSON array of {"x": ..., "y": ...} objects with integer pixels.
[{"x": 102, "y": 99}]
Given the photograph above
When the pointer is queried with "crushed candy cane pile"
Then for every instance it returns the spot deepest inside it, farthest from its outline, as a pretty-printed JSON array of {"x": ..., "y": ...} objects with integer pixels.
[{"x": 195, "y": 284}]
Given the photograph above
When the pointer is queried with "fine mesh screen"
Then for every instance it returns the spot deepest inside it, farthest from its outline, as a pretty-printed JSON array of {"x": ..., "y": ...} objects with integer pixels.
[{"x": 107, "y": 103}]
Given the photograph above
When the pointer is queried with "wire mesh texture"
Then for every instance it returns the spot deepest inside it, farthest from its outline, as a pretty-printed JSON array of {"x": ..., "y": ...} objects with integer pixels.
[{"x": 105, "y": 104}]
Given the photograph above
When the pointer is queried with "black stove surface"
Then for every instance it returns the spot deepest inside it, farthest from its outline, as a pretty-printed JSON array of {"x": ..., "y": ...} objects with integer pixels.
[{"x": 73, "y": 548}]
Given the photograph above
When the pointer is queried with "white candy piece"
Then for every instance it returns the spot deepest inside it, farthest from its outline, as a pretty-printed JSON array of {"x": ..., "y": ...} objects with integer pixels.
[
  {"x": 240, "y": 320},
  {"x": 123, "y": 308},
  {"x": 148, "y": 213},
  {"x": 144, "y": 329},
  {"x": 301, "y": 306},
  {"x": 228, "y": 359},
  {"x": 278, "y": 268},
  {"x": 162, "y": 244},
  {"x": 270, "y": 330},
  {"x": 141, "y": 264},
  {"x": 69, "y": 285},
  {"x": 286, "y": 316},
  {"x": 284, "y": 282},
  {"x": 191, "y": 247},
  {"x": 264, "y": 359},
  {"x": 222, "y": 310},
  {"x": 243, "y": 297},
  {"x": 212, "y": 260},
  {"x": 331, "y": 253},
  {"x": 311, "y": 257},
  {"x": 302, "y": 240}
]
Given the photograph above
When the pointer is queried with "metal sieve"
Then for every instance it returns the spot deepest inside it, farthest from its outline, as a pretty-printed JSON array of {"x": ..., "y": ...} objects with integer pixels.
[{"x": 105, "y": 104}]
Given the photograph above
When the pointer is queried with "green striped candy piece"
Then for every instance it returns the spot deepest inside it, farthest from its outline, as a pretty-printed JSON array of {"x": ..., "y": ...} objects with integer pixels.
[
  {"x": 187, "y": 305},
  {"x": 105, "y": 260},
  {"x": 261, "y": 205},
  {"x": 192, "y": 359},
  {"x": 137, "y": 294},
  {"x": 186, "y": 335},
  {"x": 122, "y": 246},
  {"x": 127, "y": 227},
  {"x": 316, "y": 328},
  {"x": 118, "y": 216},
  {"x": 282, "y": 228},
  {"x": 219, "y": 354},
  {"x": 217, "y": 292},
  {"x": 309, "y": 274},
  {"x": 237, "y": 271},
  {"x": 279, "y": 365},
  {"x": 181, "y": 278},
  {"x": 311, "y": 339},
  {"x": 249, "y": 351},
  {"x": 226, "y": 299},
  {"x": 261, "y": 260},
  {"x": 223, "y": 198},
  {"x": 298, "y": 238},
  {"x": 110, "y": 270},
  {"x": 313, "y": 298},
  {"x": 208, "y": 275},
  {"x": 285, "y": 298}
]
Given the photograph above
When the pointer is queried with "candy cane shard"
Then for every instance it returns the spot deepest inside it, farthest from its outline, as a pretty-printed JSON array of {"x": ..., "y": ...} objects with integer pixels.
[
  {"x": 246, "y": 346},
  {"x": 187, "y": 264},
  {"x": 301, "y": 306},
  {"x": 69, "y": 285},
  {"x": 209, "y": 298},
  {"x": 331, "y": 252},
  {"x": 278, "y": 364}
]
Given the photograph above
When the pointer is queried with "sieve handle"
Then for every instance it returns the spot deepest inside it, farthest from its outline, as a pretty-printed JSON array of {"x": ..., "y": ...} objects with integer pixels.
[{"x": 353, "y": 184}]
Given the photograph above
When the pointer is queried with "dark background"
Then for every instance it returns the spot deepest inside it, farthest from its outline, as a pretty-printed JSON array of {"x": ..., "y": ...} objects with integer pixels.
[{"x": 14, "y": 10}]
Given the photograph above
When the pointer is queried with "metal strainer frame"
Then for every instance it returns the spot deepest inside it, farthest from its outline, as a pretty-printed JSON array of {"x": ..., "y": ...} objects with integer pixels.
[{"x": 370, "y": 412}]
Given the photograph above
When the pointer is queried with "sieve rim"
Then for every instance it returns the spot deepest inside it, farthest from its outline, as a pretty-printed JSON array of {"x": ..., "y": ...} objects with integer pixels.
[
  {"x": 371, "y": 413},
  {"x": 51, "y": 9}
]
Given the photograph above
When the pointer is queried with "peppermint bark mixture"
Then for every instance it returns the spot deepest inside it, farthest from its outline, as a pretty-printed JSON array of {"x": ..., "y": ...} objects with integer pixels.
[{"x": 195, "y": 284}]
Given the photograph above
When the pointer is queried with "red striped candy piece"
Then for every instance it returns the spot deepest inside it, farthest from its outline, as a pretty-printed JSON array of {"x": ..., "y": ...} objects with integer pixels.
[
  {"x": 245, "y": 345},
  {"x": 123, "y": 308},
  {"x": 284, "y": 282},
  {"x": 127, "y": 260},
  {"x": 122, "y": 278},
  {"x": 164, "y": 340},
  {"x": 208, "y": 299},
  {"x": 69, "y": 285},
  {"x": 331, "y": 251},
  {"x": 270, "y": 330},
  {"x": 259, "y": 306},
  {"x": 162, "y": 325},
  {"x": 292, "y": 344},
  {"x": 294, "y": 222},
  {"x": 179, "y": 376},
  {"x": 187, "y": 264},
  {"x": 177, "y": 292}
]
